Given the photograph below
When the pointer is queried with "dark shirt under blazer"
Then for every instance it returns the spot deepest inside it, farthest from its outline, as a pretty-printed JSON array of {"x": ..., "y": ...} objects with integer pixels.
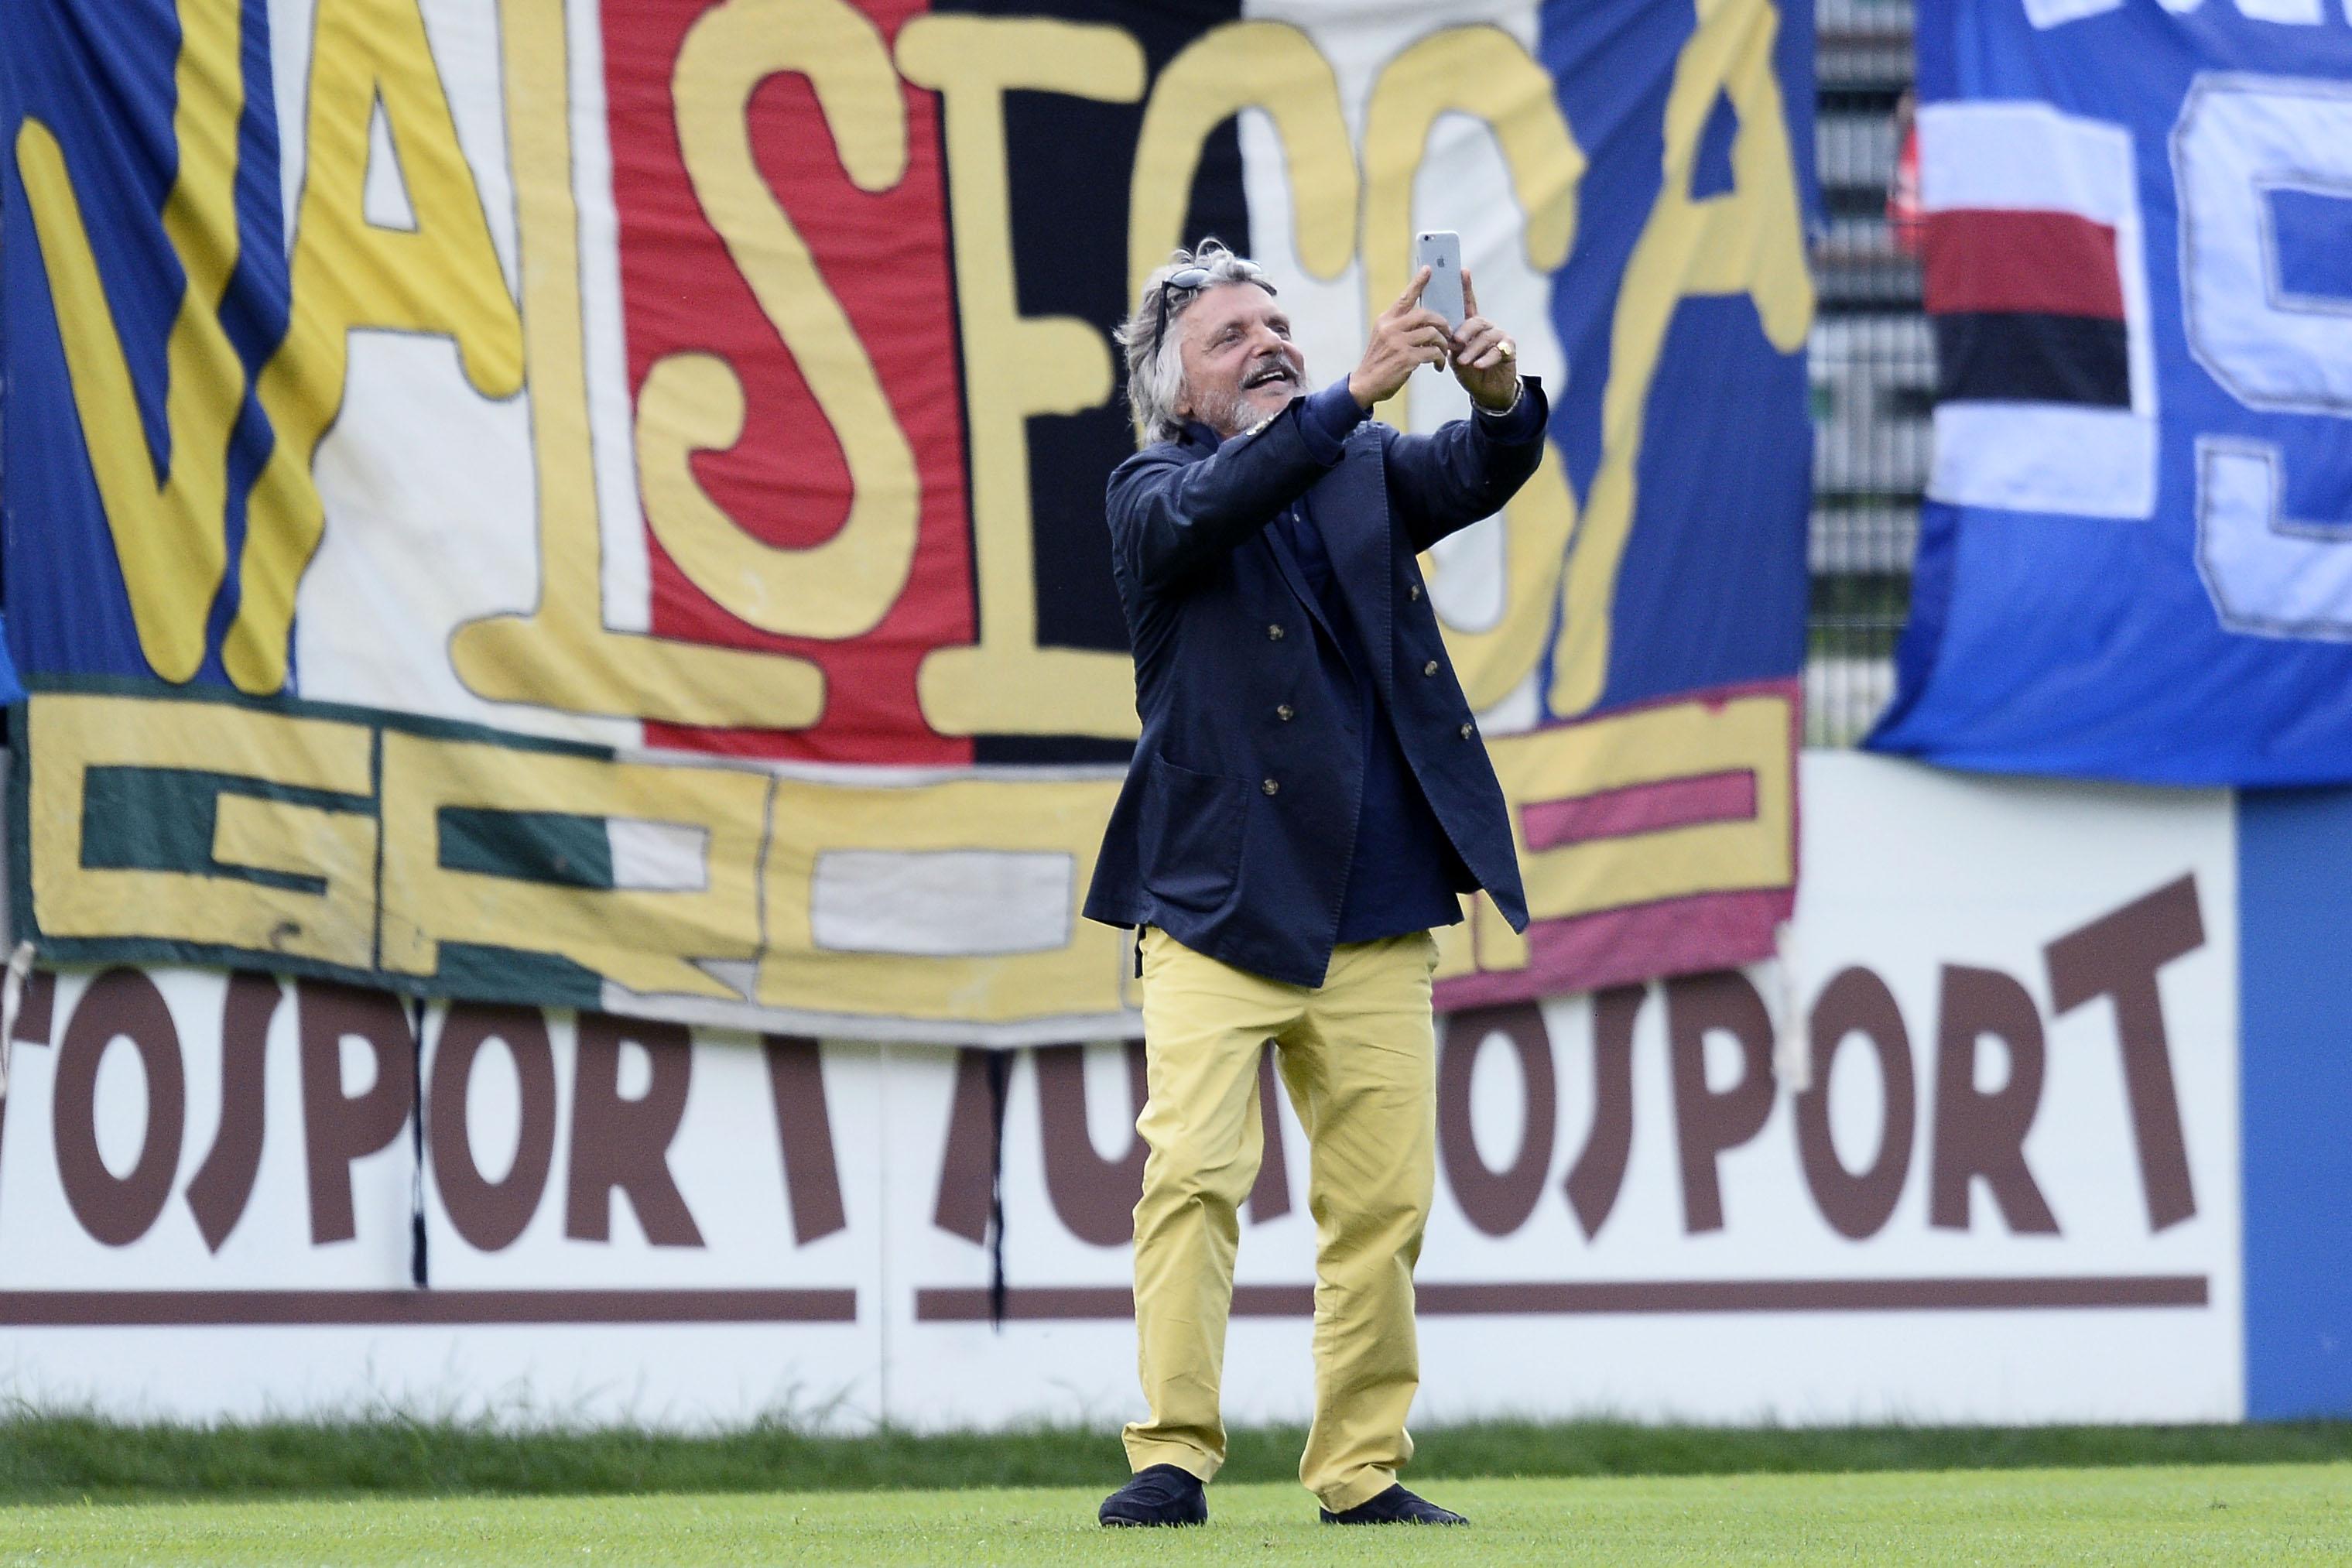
[{"x": 1237, "y": 827}]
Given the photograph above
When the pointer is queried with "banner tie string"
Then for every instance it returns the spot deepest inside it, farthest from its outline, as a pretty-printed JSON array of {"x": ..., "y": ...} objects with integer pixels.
[
  {"x": 417, "y": 1275},
  {"x": 1000, "y": 1080}
]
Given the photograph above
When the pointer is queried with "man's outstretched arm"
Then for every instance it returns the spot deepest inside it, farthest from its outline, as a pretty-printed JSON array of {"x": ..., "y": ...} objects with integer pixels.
[
  {"x": 1445, "y": 482},
  {"x": 1170, "y": 519},
  {"x": 1469, "y": 469}
]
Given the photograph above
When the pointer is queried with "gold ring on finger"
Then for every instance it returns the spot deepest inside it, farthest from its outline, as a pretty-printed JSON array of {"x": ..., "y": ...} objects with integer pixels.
[{"x": 1510, "y": 348}]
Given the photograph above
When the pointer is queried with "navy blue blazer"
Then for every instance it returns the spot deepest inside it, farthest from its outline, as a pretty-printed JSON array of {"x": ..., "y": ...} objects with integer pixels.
[{"x": 1237, "y": 825}]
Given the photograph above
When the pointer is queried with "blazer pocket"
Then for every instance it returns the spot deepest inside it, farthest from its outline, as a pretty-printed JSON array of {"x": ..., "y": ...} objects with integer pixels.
[{"x": 1192, "y": 825}]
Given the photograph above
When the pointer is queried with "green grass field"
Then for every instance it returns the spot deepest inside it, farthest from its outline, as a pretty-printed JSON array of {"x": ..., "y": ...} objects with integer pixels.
[
  {"x": 80, "y": 1489},
  {"x": 2184, "y": 1514},
  {"x": 46, "y": 1457}
]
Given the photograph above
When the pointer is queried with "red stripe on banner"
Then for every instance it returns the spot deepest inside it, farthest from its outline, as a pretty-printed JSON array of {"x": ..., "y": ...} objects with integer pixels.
[
  {"x": 1640, "y": 808},
  {"x": 2046, "y": 263},
  {"x": 1633, "y": 943},
  {"x": 1627, "y": 946},
  {"x": 785, "y": 481}
]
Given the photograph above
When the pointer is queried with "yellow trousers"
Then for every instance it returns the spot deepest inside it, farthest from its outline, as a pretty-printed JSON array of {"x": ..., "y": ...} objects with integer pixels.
[{"x": 1359, "y": 1057}]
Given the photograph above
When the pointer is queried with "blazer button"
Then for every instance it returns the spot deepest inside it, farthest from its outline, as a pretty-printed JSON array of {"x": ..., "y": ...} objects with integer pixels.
[
  {"x": 1467, "y": 731},
  {"x": 1271, "y": 787},
  {"x": 1413, "y": 592},
  {"x": 1285, "y": 713},
  {"x": 1430, "y": 668},
  {"x": 1274, "y": 633}
]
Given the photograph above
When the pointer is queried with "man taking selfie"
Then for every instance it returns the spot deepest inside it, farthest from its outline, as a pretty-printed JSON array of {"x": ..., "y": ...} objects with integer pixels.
[{"x": 1309, "y": 796}]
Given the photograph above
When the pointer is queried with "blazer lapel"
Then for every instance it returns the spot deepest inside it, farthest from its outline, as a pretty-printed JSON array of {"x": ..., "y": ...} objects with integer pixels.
[{"x": 1294, "y": 575}]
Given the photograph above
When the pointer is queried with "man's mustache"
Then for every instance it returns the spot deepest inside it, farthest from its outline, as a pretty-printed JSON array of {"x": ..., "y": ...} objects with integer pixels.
[{"x": 1265, "y": 368}]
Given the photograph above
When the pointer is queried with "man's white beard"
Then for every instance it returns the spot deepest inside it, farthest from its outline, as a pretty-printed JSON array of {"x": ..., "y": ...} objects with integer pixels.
[
  {"x": 1223, "y": 411},
  {"x": 1231, "y": 412}
]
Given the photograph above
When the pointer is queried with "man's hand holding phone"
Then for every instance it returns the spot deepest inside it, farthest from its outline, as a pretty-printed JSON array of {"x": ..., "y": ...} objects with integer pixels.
[
  {"x": 1404, "y": 338},
  {"x": 1407, "y": 335},
  {"x": 1486, "y": 360}
]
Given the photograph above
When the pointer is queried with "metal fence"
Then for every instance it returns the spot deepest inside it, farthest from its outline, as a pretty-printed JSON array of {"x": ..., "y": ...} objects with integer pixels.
[{"x": 1873, "y": 374}]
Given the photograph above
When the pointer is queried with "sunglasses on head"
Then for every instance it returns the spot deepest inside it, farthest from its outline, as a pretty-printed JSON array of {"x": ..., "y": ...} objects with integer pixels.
[{"x": 1188, "y": 279}]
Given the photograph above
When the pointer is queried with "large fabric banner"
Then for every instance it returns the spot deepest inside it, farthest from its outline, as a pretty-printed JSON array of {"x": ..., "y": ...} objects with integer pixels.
[
  {"x": 2136, "y": 560},
  {"x": 601, "y": 505}
]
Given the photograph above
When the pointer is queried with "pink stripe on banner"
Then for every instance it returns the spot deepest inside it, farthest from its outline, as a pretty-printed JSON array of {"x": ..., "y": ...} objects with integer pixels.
[
  {"x": 1620, "y": 947},
  {"x": 1635, "y": 943},
  {"x": 1728, "y": 796}
]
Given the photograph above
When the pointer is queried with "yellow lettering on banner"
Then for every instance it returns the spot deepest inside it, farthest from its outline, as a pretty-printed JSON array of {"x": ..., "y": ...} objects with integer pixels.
[
  {"x": 645, "y": 939},
  {"x": 440, "y": 278},
  {"x": 561, "y": 655},
  {"x": 1747, "y": 241},
  {"x": 68, "y": 736},
  {"x": 693, "y": 403},
  {"x": 1075, "y": 974},
  {"x": 1487, "y": 74},
  {"x": 170, "y": 539},
  {"x": 1270, "y": 65},
  {"x": 1014, "y": 366},
  {"x": 1651, "y": 745}
]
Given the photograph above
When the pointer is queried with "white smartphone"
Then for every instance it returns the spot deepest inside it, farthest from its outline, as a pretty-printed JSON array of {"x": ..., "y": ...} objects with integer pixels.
[{"x": 1440, "y": 250}]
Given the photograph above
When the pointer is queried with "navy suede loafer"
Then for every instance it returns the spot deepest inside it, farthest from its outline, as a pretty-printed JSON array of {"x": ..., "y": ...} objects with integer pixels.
[
  {"x": 1158, "y": 1494},
  {"x": 1394, "y": 1505}
]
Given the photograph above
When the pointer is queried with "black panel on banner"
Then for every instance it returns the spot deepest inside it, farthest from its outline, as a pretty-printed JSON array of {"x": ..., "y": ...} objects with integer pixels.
[
  {"x": 1070, "y": 161},
  {"x": 2031, "y": 358}
]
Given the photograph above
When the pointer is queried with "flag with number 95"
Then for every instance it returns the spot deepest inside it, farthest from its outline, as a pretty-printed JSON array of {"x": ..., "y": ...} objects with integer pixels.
[{"x": 2136, "y": 552}]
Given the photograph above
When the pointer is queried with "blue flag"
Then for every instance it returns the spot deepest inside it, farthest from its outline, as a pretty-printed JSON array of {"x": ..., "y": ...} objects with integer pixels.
[{"x": 2135, "y": 559}]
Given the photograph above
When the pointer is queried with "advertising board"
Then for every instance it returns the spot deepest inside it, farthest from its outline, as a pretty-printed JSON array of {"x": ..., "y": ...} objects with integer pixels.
[{"x": 1969, "y": 1151}]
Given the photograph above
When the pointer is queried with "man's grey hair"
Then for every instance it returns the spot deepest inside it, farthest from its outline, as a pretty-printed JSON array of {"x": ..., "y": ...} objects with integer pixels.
[{"x": 1155, "y": 358}]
